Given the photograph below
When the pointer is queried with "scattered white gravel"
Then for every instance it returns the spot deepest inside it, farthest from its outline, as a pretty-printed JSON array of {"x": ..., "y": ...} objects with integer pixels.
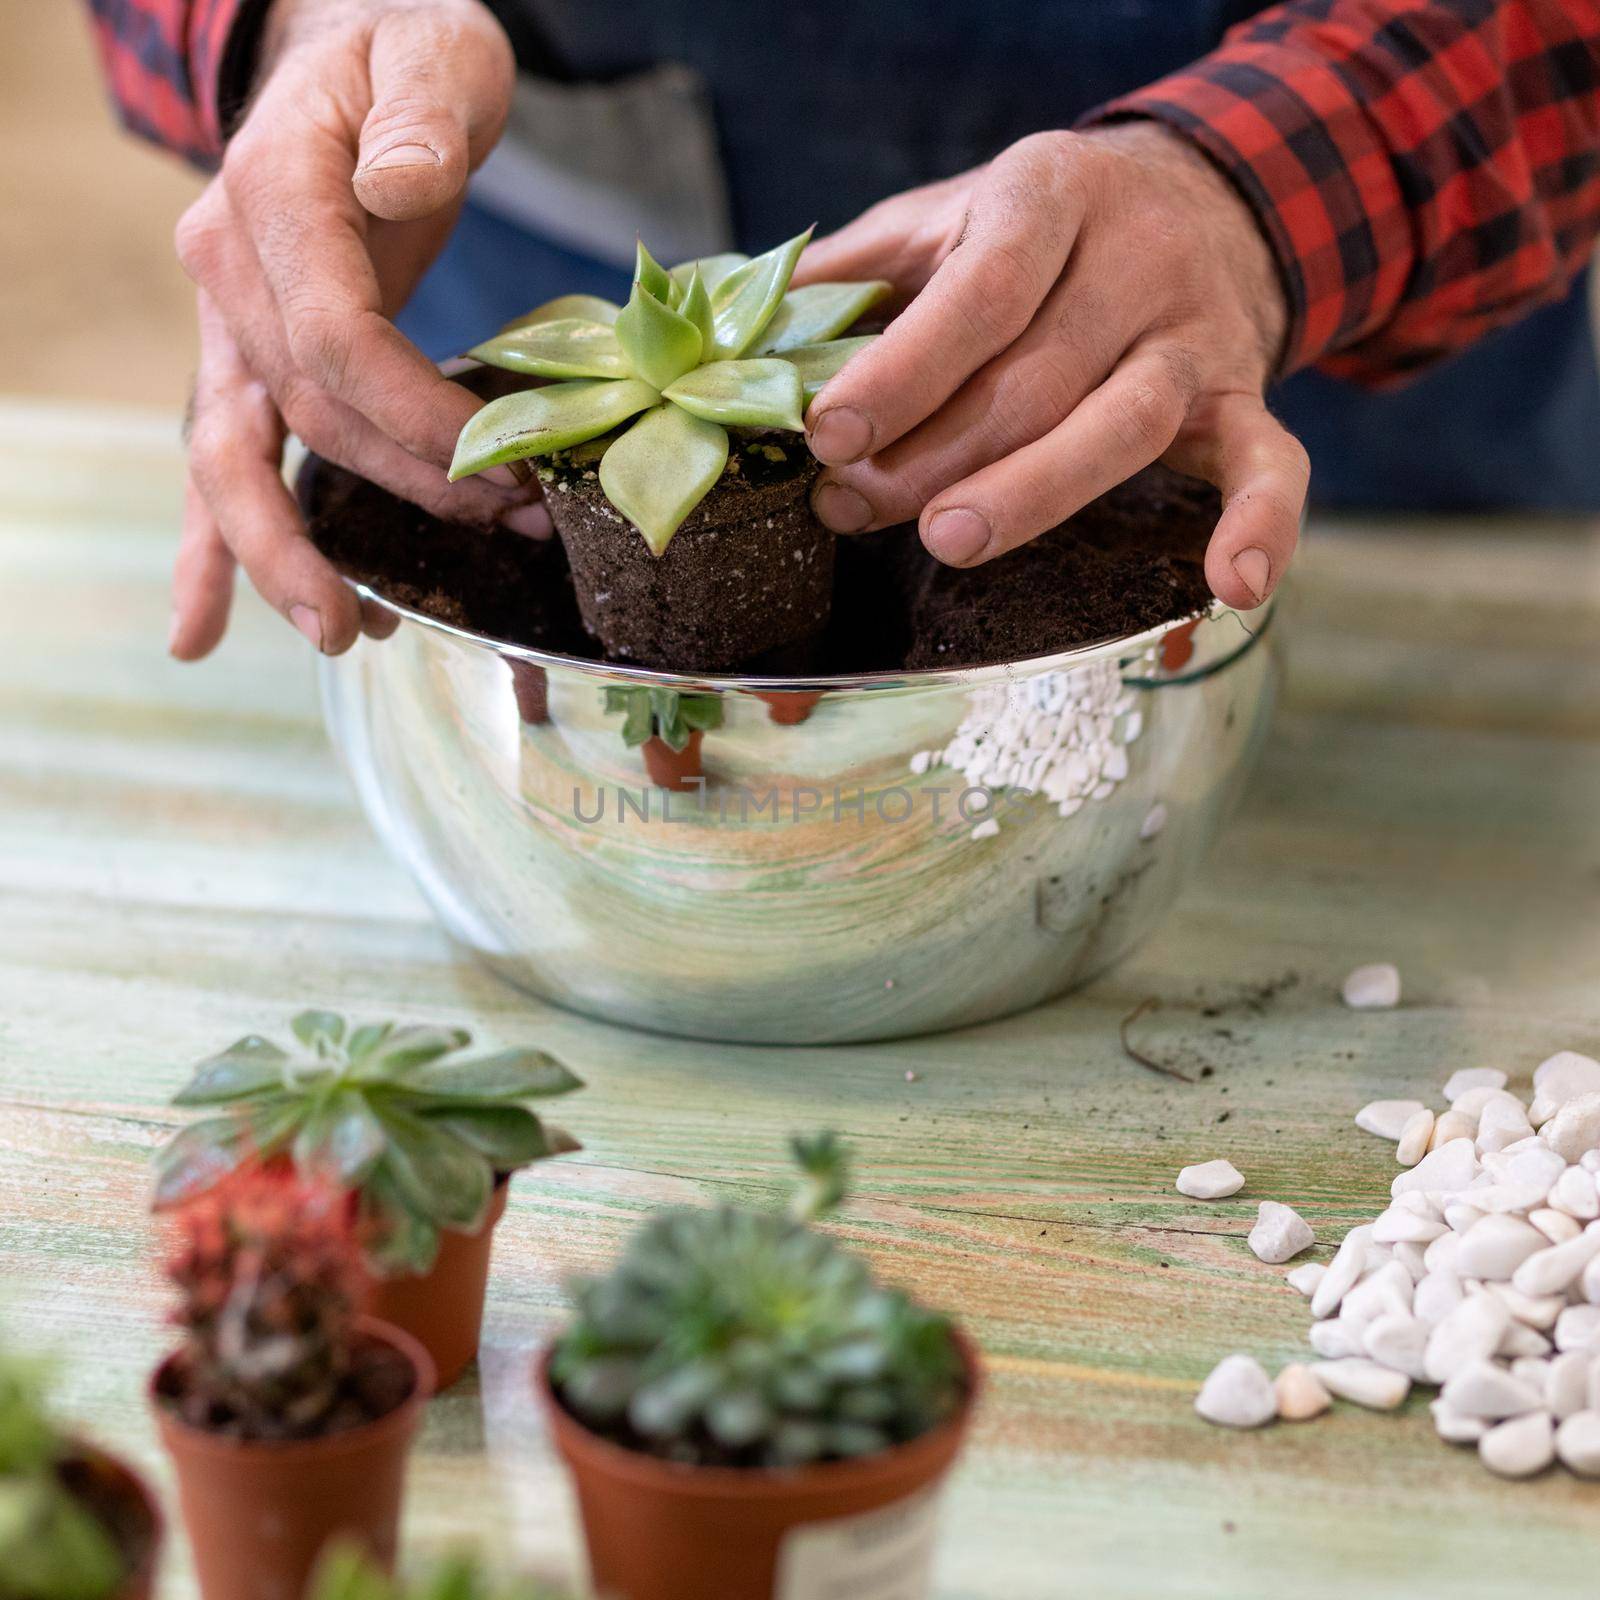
[
  {"x": 1211, "y": 1180},
  {"x": 1481, "y": 1275},
  {"x": 1280, "y": 1233},
  {"x": 1373, "y": 988},
  {"x": 1238, "y": 1394}
]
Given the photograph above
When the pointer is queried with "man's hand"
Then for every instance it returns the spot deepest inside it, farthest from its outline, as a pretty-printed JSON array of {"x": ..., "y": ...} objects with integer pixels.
[
  {"x": 335, "y": 195},
  {"x": 1084, "y": 305}
]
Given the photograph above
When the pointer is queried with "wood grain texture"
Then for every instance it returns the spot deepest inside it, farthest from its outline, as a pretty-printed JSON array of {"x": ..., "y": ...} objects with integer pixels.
[{"x": 180, "y": 863}]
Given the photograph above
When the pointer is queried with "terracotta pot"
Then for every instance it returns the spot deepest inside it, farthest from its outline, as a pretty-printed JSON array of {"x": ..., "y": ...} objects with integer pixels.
[
  {"x": 1177, "y": 647},
  {"x": 443, "y": 1307},
  {"x": 678, "y": 770},
  {"x": 259, "y": 1514},
  {"x": 120, "y": 1501},
  {"x": 660, "y": 1531},
  {"x": 531, "y": 685},
  {"x": 789, "y": 707}
]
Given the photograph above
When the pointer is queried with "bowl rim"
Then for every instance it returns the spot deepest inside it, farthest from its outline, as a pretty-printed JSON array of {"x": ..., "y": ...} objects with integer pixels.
[{"x": 1119, "y": 648}]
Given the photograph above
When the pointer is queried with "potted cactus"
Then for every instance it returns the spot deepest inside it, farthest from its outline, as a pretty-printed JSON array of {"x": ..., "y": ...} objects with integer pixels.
[
  {"x": 748, "y": 1413},
  {"x": 347, "y": 1573},
  {"x": 669, "y": 726},
  {"x": 75, "y": 1524},
  {"x": 672, "y": 459},
  {"x": 288, "y": 1415},
  {"x": 422, "y": 1137}
]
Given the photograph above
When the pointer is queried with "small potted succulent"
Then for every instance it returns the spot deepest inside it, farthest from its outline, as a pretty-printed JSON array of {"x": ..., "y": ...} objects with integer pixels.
[
  {"x": 423, "y": 1138},
  {"x": 747, "y": 1412},
  {"x": 75, "y": 1524},
  {"x": 669, "y": 726},
  {"x": 672, "y": 462},
  {"x": 288, "y": 1415},
  {"x": 347, "y": 1573}
]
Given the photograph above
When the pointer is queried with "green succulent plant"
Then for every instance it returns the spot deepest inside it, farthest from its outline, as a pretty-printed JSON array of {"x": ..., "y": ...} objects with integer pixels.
[
  {"x": 716, "y": 343},
  {"x": 662, "y": 713},
  {"x": 52, "y": 1547},
  {"x": 392, "y": 1112},
  {"x": 346, "y": 1572},
  {"x": 740, "y": 1337}
]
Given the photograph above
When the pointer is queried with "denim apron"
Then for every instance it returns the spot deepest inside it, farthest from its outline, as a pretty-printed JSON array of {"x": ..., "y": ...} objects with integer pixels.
[{"x": 733, "y": 123}]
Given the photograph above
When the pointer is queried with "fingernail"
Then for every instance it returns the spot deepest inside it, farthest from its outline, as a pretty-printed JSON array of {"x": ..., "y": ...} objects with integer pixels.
[
  {"x": 840, "y": 508},
  {"x": 309, "y": 622},
  {"x": 532, "y": 522},
  {"x": 174, "y": 628},
  {"x": 840, "y": 435},
  {"x": 1254, "y": 568},
  {"x": 402, "y": 155},
  {"x": 957, "y": 537}
]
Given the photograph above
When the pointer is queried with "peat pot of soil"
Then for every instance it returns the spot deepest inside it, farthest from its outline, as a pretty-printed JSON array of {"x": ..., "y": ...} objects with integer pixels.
[
  {"x": 970, "y": 792},
  {"x": 747, "y": 1413}
]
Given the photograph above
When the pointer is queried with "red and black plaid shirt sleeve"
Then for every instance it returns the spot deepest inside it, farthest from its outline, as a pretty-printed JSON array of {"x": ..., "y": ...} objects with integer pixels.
[
  {"x": 167, "y": 63},
  {"x": 1426, "y": 170}
]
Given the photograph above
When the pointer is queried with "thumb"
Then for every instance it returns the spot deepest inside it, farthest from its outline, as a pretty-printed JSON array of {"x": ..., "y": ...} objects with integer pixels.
[{"x": 441, "y": 86}]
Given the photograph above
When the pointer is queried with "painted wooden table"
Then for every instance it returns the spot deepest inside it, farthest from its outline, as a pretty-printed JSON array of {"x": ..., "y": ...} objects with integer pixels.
[{"x": 180, "y": 863}]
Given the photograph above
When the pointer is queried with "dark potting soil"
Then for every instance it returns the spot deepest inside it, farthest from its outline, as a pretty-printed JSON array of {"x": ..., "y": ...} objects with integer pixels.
[
  {"x": 1130, "y": 561},
  {"x": 379, "y": 1381}
]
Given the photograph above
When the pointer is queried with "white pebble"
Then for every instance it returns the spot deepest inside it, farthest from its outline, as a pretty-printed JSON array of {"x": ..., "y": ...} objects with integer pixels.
[
  {"x": 1237, "y": 1394},
  {"x": 1440, "y": 1256},
  {"x": 1556, "y": 1226},
  {"x": 1566, "y": 1383},
  {"x": 1454, "y": 1428},
  {"x": 1388, "y": 1289},
  {"x": 1211, "y": 1180},
  {"x": 1578, "y": 1328},
  {"x": 1553, "y": 1270},
  {"x": 1466, "y": 1078},
  {"x": 1155, "y": 820},
  {"x": 1451, "y": 1125},
  {"x": 1575, "y": 1128},
  {"x": 1280, "y": 1233},
  {"x": 1398, "y": 1340},
  {"x": 987, "y": 829},
  {"x": 1521, "y": 1340},
  {"x": 1566, "y": 1075},
  {"x": 1471, "y": 1333},
  {"x": 1399, "y": 1226},
  {"x": 1497, "y": 1246},
  {"x": 1474, "y": 1102},
  {"x": 1593, "y": 1364},
  {"x": 1574, "y": 1192},
  {"x": 1578, "y": 1443},
  {"x": 1415, "y": 1138},
  {"x": 1533, "y": 1311},
  {"x": 1519, "y": 1448},
  {"x": 1364, "y": 1382},
  {"x": 1334, "y": 1337},
  {"x": 1449, "y": 1169},
  {"x": 1482, "y": 1389},
  {"x": 1436, "y": 1297},
  {"x": 1502, "y": 1123},
  {"x": 1387, "y": 1118},
  {"x": 1343, "y": 1273},
  {"x": 1305, "y": 1278},
  {"x": 1299, "y": 1393},
  {"x": 1373, "y": 988}
]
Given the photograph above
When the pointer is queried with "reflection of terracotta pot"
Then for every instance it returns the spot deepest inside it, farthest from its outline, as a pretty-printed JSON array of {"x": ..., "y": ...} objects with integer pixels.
[
  {"x": 678, "y": 770},
  {"x": 259, "y": 1514},
  {"x": 789, "y": 707},
  {"x": 531, "y": 685},
  {"x": 657, "y": 1530},
  {"x": 121, "y": 1503},
  {"x": 442, "y": 1308},
  {"x": 1177, "y": 647}
]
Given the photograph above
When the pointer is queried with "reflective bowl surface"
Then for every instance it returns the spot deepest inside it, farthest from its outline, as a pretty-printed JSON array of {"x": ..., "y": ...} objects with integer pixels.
[{"x": 845, "y": 858}]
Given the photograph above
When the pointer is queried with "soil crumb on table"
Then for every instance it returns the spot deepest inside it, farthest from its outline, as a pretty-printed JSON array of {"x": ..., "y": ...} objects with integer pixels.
[{"x": 1130, "y": 561}]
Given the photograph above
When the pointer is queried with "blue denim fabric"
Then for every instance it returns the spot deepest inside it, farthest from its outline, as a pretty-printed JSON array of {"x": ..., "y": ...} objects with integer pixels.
[{"x": 824, "y": 106}]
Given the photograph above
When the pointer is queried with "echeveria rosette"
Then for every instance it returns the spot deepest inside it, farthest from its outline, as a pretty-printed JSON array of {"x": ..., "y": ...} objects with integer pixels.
[
  {"x": 718, "y": 343},
  {"x": 662, "y": 713},
  {"x": 392, "y": 1111},
  {"x": 739, "y": 1337}
]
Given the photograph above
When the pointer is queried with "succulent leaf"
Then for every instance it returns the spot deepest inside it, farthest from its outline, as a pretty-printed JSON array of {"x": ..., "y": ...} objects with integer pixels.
[
  {"x": 570, "y": 348},
  {"x": 318, "y": 1030},
  {"x": 639, "y": 723},
  {"x": 586, "y": 307},
  {"x": 712, "y": 269},
  {"x": 746, "y": 300},
  {"x": 405, "y": 1049},
  {"x": 249, "y": 1067},
  {"x": 350, "y": 1141},
  {"x": 756, "y": 394},
  {"x": 818, "y": 312},
  {"x": 818, "y": 364},
  {"x": 507, "y": 1075},
  {"x": 652, "y": 277},
  {"x": 696, "y": 306},
  {"x": 658, "y": 343},
  {"x": 441, "y": 1178},
  {"x": 537, "y": 421},
  {"x": 505, "y": 1136},
  {"x": 661, "y": 469}
]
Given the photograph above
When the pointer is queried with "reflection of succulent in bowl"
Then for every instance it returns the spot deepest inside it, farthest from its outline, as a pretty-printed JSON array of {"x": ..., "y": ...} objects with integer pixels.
[{"x": 926, "y": 849}]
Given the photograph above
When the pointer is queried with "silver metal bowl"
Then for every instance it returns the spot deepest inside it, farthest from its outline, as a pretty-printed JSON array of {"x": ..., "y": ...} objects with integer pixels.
[{"x": 922, "y": 851}]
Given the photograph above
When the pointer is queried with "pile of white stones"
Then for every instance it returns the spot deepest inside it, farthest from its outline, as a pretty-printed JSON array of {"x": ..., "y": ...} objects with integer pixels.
[{"x": 1482, "y": 1277}]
